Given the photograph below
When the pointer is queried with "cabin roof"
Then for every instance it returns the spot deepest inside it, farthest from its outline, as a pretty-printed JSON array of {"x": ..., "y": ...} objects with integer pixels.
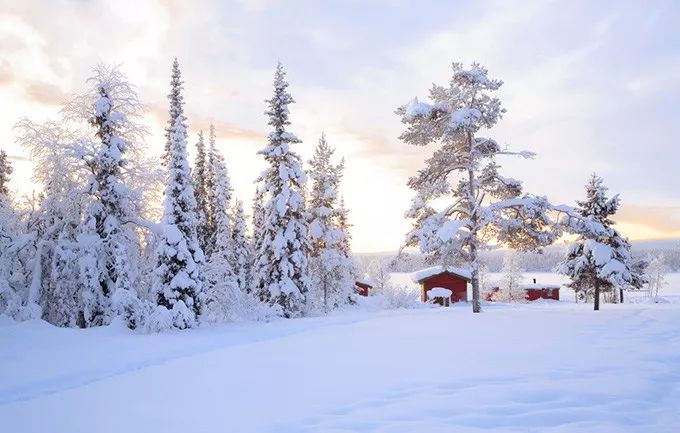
[{"x": 427, "y": 273}]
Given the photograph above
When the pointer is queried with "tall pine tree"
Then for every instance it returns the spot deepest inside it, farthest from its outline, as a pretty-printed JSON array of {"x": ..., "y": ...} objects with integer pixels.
[
  {"x": 178, "y": 278},
  {"x": 241, "y": 242},
  {"x": 331, "y": 270},
  {"x": 282, "y": 256},
  {"x": 199, "y": 175}
]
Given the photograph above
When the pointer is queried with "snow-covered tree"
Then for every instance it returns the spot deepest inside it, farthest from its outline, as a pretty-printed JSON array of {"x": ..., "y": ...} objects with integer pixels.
[
  {"x": 241, "y": 245},
  {"x": 54, "y": 222},
  {"x": 598, "y": 261},
  {"x": 656, "y": 273},
  {"x": 331, "y": 268},
  {"x": 11, "y": 299},
  {"x": 218, "y": 193},
  {"x": 222, "y": 292},
  {"x": 282, "y": 257},
  {"x": 478, "y": 204},
  {"x": 112, "y": 109},
  {"x": 5, "y": 173},
  {"x": 178, "y": 278},
  {"x": 200, "y": 191},
  {"x": 511, "y": 279}
]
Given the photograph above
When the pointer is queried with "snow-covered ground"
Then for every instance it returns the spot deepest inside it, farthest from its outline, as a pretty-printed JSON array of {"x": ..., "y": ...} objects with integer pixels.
[{"x": 542, "y": 367}]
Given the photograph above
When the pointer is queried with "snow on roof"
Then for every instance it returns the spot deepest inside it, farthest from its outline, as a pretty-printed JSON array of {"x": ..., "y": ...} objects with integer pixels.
[
  {"x": 365, "y": 282},
  {"x": 426, "y": 273},
  {"x": 438, "y": 292}
]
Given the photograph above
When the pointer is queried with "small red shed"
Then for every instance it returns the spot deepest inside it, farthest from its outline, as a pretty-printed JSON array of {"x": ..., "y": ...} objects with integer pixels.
[
  {"x": 454, "y": 279},
  {"x": 537, "y": 291},
  {"x": 362, "y": 287}
]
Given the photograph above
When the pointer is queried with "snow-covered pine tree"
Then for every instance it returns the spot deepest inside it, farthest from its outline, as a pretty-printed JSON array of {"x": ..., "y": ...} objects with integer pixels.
[
  {"x": 482, "y": 204},
  {"x": 344, "y": 225},
  {"x": 218, "y": 193},
  {"x": 178, "y": 280},
  {"x": 112, "y": 108},
  {"x": 282, "y": 256},
  {"x": 222, "y": 293},
  {"x": 176, "y": 109},
  {"x": 257, "y": 240},
  {"x": 241, "y": 244},
  {"x": 330, "y": 267},
  {"x": 200, "y": 191},
  {"x": 5, "y": 173},
  {"x": 598, "y": 261},
  {"x": 511, "y": 279}
]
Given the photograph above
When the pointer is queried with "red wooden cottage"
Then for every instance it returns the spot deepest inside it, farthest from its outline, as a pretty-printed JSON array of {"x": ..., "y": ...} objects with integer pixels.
[
  {"x": 533, "y": 291},
  {"x": 453, "y": 279},
  {"x": 362, "y": 287},
  {"x": 537, "y": 291}
]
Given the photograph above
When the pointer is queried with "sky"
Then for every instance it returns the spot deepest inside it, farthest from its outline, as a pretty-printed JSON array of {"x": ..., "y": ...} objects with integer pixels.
[{"x": 589, "y": 87}]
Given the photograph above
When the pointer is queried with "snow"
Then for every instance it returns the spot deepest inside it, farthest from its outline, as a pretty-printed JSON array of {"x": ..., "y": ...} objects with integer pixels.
[
  {"x": 616, "y": 370},
  {"x": 434, "y": 270},
  {"x": 438, "y": 292}
]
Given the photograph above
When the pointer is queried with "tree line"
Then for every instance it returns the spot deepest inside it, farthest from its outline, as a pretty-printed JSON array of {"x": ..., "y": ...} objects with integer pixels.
[{"x": 92, "y": 248}]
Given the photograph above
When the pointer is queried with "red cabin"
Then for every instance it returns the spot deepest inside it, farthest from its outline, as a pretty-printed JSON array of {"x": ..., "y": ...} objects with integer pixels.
[
  {"x": 454, "y": 279},
  {"x": 541, "y": 291},
  {"x": 362, "y": 287}
]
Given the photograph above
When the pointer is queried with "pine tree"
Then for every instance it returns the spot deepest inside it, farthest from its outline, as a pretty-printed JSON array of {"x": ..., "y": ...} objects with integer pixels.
[
  {"x": 218, "y": 193},
  {"x": 114, "y": 109},
  {"x": 200, "y": 191},
  {"x": 178, "y": 278},
  {"x": 176, "y": 109},
  {"x": 331, "y": 268},
  {"x": 5, "y": 173},
  {"x": 222, "y": 290},
  {"x": 257, "y": 265},
  {"x": 283, "y": 254},
  {"x": 241, "y": 244},
  {"x": 600, "y": 261},
  {"x": 482, "y": 204}
]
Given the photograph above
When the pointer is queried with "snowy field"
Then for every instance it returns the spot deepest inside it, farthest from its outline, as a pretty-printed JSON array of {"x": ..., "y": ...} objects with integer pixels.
[{"x": 543, "y": 367}]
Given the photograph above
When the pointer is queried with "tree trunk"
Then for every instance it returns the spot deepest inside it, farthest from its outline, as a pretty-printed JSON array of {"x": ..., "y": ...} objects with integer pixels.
[
  {"x": 597, "y": 296},
  {"x": 621, "y": 293},
  {"x": 476, "y": 305}
]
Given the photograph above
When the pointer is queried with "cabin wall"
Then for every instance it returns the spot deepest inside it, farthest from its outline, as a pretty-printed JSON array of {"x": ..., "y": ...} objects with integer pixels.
[{"x": 458, "y": 287}]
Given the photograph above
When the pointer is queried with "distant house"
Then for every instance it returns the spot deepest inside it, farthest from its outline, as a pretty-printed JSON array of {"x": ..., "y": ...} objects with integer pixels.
[
  {"x": 362, "y": 287},
  {"x": 532, "y": 291},
  {"x": 537, "y": 291},
  {"x": 439, "y": 277}
]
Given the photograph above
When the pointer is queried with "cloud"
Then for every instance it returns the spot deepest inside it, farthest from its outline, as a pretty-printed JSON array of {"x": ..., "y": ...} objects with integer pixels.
[
  {"x": 6, "y": 73},
  {"x": 45, "y": 93},
  {"x": 664, "y": 219}
]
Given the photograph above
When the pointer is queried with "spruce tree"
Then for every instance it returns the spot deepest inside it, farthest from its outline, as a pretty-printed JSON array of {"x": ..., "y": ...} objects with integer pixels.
[
  {"x": 598, "y": 261},
  {"x": 241, "y": 244},
  {"x": 330, "y": 267},
  {"x": 200, "y": 191},
  {"x": 5, "y": 173},
  {"x": 115, "y": 111},
  {"x": 178, "y": 278},
  {"x": 282, "y": 256},
  {"x": 222, "y": 293},
  {"x": 218, "y": 194}
]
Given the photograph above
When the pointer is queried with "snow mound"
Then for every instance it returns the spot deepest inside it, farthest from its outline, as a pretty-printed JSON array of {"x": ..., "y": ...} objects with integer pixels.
[{"x": 439, "y": 292}]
